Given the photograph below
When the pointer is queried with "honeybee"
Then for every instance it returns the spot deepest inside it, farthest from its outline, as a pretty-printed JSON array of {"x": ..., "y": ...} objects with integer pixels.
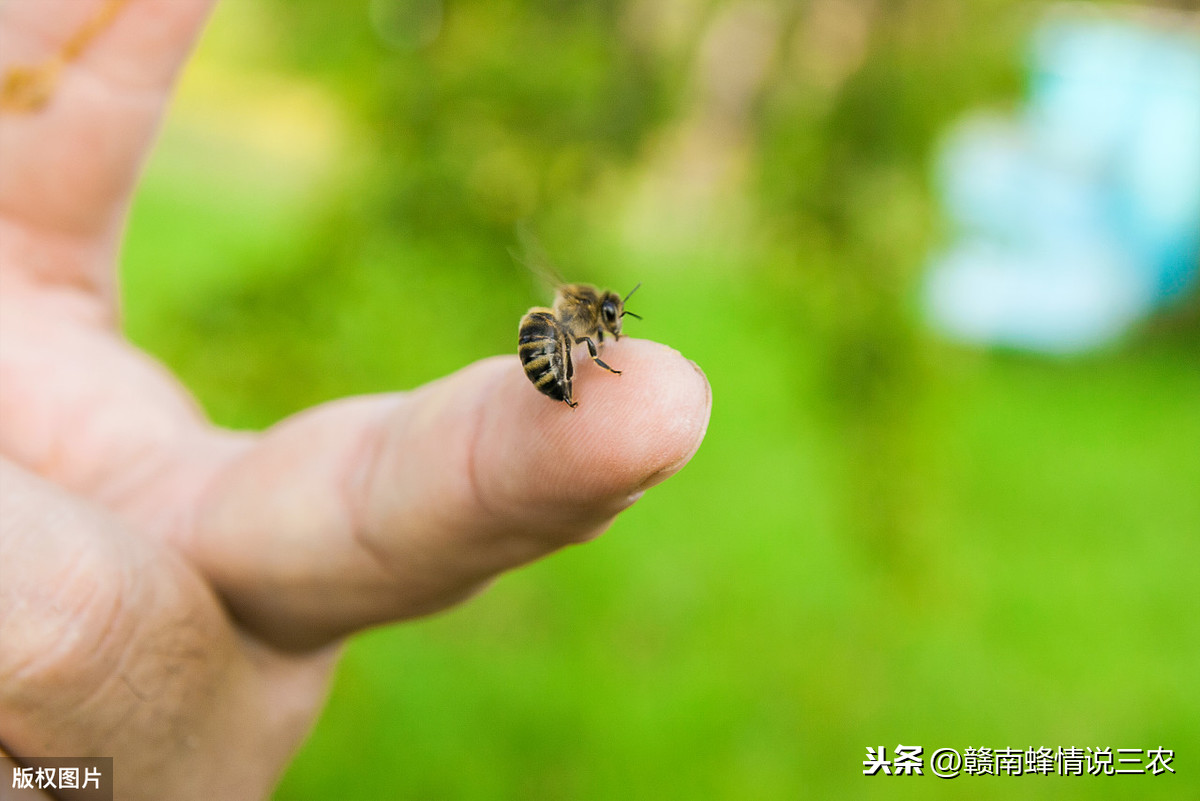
[{"x": 581, "y": 314}]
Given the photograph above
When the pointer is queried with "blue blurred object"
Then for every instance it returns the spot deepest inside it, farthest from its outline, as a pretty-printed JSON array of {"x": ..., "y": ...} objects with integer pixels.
[{"x": 1082, "y": 215}]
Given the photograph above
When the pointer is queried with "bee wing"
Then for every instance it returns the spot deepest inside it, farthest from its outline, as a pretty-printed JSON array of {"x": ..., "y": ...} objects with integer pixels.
[{"x": 535, "y": 259}]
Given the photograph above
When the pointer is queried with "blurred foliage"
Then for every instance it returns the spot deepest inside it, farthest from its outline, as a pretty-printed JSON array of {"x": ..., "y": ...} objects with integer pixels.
[{"x": 884, "y": 539}]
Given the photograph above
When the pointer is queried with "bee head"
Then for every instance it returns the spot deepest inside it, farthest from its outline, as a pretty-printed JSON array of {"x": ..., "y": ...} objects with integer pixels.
[{"x": 612, "y": 309}]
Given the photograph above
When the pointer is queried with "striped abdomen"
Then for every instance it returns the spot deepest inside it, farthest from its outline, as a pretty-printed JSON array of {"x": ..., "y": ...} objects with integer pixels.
[{"x": 545, "y": 353}]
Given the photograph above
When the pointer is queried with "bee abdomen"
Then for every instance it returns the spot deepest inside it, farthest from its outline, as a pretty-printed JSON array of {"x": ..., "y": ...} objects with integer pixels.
[{"x": 545, "y": 354}]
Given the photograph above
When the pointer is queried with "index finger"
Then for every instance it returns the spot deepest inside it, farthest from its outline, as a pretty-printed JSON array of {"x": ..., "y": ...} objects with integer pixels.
[{"x": 381, "y": 508}]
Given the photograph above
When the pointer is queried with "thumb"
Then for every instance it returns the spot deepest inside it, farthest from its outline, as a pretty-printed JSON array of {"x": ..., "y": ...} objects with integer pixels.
[{"x": 386, "y": 507}]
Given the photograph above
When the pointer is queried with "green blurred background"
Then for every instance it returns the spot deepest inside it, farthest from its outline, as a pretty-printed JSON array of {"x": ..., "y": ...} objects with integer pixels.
[{"x": 884, "y": 539}]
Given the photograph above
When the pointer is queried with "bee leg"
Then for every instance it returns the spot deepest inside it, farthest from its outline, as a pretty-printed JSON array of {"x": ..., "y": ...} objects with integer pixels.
[{"x": 591, "y": 346}]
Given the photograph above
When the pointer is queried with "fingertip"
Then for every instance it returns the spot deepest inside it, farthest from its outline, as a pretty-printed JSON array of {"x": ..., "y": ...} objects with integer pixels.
[
  {"x": 628, "y": 433},
  {"x": 658, "y": 413}
]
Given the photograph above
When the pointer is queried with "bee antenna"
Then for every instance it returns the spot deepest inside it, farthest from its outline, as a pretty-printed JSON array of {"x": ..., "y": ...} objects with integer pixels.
[
  {"x": 631, "y": 314},
  {"x": 630, "y": 295}
]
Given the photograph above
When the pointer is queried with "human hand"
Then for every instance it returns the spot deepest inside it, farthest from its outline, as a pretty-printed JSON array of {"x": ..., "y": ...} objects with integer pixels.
[{"x": 172, "y": 594}]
